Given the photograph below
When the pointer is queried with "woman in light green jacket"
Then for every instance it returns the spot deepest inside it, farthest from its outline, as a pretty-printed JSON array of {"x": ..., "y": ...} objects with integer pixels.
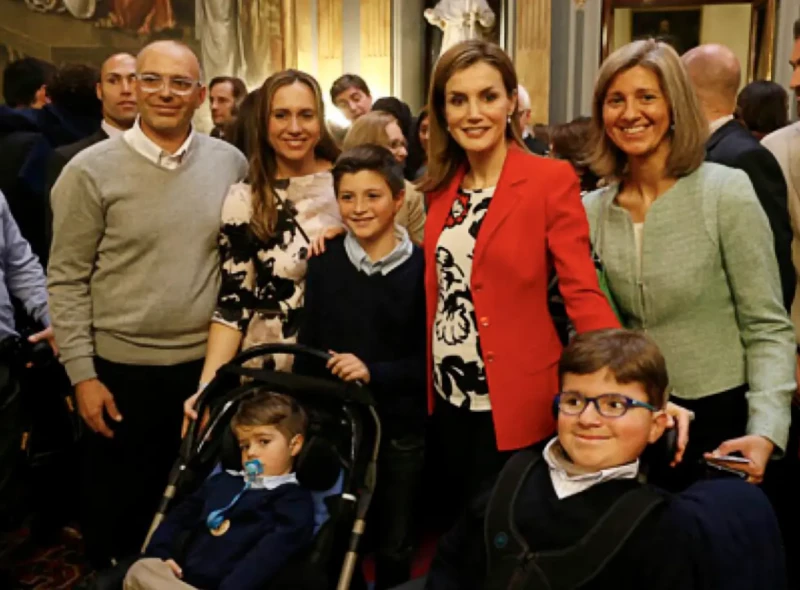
[{"x": 689, "y": 259}]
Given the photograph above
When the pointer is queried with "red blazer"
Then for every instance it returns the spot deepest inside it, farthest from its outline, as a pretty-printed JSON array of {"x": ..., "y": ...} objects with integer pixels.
[{"x": 535, "y": 223}]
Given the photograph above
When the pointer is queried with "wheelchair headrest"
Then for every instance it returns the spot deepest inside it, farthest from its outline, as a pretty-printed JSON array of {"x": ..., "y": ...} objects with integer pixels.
[{"x": 317, "y": 466}]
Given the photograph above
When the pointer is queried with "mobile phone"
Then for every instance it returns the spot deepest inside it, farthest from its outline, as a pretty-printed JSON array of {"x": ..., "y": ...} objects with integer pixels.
[
  {"x": 726, "y": 470},
  {"x": 729, "y": 459}
]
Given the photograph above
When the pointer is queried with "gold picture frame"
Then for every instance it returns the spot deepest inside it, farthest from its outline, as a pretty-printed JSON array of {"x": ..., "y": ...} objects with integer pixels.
[{"x": 761, "y": 54}]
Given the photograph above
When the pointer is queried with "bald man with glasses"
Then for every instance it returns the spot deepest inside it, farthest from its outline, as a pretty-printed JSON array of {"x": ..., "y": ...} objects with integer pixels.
[{"x": 133, "y": 279}]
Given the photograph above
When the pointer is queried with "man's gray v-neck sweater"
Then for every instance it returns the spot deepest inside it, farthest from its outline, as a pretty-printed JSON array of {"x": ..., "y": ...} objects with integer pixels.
[{"x": 134, "y": 270}]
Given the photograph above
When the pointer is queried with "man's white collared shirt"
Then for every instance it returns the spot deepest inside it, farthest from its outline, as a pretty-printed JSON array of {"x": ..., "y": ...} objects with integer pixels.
[
  {"x": 150, "y": 150},
  {"x": 717, "y": 123},
  {"x": 110, "y": 130}
]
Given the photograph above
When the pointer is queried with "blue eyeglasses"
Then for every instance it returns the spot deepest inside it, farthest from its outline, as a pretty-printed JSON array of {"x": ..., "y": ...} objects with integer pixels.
[{"x": 609, "y": 405}]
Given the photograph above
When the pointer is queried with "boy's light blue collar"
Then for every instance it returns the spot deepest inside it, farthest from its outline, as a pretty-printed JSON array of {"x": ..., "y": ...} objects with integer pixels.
[
  {"x": 266, "y": 482},
  {"x": 385, "y": 265}
]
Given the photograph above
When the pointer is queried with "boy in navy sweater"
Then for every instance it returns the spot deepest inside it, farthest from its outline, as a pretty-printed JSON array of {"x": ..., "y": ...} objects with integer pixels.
[
  {"x": 718, "y": 535},
  {"x": 365, "y": 303},
  {"x": 243, "y": 526}
]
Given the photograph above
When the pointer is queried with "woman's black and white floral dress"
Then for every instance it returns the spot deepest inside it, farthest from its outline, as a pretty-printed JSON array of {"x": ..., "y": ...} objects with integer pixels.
[{"x": 263, "y": 282}]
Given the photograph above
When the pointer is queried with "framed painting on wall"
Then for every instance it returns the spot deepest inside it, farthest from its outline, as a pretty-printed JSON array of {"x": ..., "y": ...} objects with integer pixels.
[
  {"x": 748, "y": 27},
  {"x": 680, "y": 27}
]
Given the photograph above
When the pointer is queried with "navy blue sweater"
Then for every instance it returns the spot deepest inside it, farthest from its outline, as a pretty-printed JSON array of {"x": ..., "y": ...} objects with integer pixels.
[
  {"x": 718, "y": 535},
  {"x": 267, "y": 528},
  {"x": 381, "y": 320}
]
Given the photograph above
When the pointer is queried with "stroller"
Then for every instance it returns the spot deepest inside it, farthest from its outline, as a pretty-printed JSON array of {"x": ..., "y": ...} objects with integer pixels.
[{"x": 337, "y": 463}]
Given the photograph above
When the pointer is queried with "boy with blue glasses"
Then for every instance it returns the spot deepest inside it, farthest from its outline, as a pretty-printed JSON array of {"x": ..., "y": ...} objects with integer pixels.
[{"x": 576, "y": 516}]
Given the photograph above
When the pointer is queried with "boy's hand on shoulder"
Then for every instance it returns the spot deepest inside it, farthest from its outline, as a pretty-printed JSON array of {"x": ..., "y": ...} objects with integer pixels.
[
  {"x": 348, "y": 367},
  {"x": 176, "y": 569}
]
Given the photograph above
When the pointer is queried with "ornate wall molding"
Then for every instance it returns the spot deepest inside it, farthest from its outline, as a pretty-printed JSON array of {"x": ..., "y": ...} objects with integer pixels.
[
  {"x": 376, "y": 45},
  {"x": 329, "y": 42},
  {"x": 532, "y": 41}
]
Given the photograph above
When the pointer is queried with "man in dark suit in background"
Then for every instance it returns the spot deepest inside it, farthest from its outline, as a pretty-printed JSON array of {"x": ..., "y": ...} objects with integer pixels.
[
  {"x": 116, "y": 92},
  {"x": 716, "y": 75}
]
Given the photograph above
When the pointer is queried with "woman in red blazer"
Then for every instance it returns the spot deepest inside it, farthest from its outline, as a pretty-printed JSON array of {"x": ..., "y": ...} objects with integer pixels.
[{"x": 500, "y": 222}]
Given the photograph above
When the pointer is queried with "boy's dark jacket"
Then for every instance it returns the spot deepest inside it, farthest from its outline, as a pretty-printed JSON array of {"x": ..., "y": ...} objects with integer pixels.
[
  {"x": 267, "y": 528},
  {"x": 717, "y": 535},
  {"x": 381, "y": 320}
]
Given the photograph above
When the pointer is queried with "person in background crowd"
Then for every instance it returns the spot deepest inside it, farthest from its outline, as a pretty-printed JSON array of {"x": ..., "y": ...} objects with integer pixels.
[
  {"x": 542, "y": 133},
  {"x": 535, "y": 145},
  {"x": 132, "y": 348},
  {"x": 240, "y": 132},
  {"x": 715, "y": 74},
  {"x": 25, "y": 83},
  {"x": 697, "y": 271},
  {"x": 225, "y": 96},
  {"x": 381, "y": 129},
  {"x": 492, "y": 348},
  {"x": 350, "y": 94},
  {"x": 115, "y": 90},
  {"x": 570, "y": 142},
  {"x": 21, "y": 277},
  {"x": 270, "y": 224},
  {"x": 397, "y": 109},
  {"x": 405, "y": 120},
  {"x": 27, "y": 139},
  {"x": 422, "y": 133},
  {"x": 763, "y": 107},
  {"x": 785, "y": 146}
]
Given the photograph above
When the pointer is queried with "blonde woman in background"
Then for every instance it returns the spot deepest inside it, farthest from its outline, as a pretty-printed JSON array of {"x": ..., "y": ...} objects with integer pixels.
[{"x": 382, "y": 129}]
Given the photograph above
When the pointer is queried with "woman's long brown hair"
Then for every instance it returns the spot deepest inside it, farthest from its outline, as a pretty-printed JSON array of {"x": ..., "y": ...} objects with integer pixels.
[
  {"x": 263, "y": 162},
  {"x": 445, "y": 156}
]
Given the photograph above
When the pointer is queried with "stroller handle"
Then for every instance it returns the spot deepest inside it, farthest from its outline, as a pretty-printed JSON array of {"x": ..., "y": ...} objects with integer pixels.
[
  {"x": 278, "y": 348},
  {"x": 238, "y": 361}
]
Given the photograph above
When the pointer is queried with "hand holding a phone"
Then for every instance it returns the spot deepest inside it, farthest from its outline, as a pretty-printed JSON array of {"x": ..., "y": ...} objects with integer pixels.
[{"x": 756, "y": 450}]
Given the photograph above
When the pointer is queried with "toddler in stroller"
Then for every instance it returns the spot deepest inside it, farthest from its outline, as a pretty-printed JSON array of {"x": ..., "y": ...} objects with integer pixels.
[
  {"x": 243, "y": 526},
  {"x": 336, "y": 462}
]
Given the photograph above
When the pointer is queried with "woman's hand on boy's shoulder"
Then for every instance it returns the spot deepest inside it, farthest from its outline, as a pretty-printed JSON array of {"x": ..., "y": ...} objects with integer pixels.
[
  {"x": 679, "y": 418},
  {"x": 348, "y": 367},
  {"x": 318, "y": 243}
]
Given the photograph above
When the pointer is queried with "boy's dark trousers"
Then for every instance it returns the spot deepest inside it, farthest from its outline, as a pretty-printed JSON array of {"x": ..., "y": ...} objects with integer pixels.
[
  {"x": 123, "y": 478},
  {"x": 392, "y": 513}
]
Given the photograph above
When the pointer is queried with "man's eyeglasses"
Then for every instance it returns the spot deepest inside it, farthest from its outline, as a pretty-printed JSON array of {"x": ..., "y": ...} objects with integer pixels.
[
  {"x": 177, "y": 85},
  {"x": 609, "y": 405}
]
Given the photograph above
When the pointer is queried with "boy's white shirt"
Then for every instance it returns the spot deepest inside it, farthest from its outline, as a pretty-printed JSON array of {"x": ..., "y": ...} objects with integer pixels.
[
  {"x": 266, "y": 482},
  {"x": 567, "y": 478}
]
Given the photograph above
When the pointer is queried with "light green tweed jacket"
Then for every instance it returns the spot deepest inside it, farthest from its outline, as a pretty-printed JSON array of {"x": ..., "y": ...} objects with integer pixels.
[{"x": 708, "y": 292}]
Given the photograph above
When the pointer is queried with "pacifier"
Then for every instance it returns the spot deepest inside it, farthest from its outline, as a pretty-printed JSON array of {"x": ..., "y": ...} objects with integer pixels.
[{"x": 252, "y": 469}]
